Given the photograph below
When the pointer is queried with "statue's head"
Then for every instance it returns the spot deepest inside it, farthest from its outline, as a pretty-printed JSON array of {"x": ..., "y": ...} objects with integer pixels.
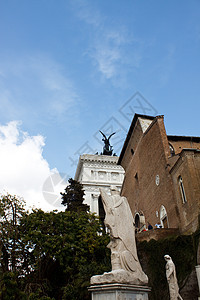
[
  {"x": 114, "y": 190},
  {"x": 167, "y": 257}
]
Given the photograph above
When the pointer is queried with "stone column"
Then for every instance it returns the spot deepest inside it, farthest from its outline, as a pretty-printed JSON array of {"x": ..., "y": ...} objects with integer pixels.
[
  {"x": 95, "y": 203},
  {"x": 109, "y": 176}
]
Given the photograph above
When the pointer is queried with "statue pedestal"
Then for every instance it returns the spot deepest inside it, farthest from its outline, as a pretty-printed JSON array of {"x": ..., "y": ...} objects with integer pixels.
[{"x": 117, "y": 291}]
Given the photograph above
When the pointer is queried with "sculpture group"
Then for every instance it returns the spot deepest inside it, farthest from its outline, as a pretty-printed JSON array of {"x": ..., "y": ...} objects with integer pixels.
[{"x": 126, "y": 268}]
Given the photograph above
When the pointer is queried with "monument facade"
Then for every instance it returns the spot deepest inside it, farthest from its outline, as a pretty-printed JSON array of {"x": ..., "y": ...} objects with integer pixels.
[{"x": 98, "y": 171}]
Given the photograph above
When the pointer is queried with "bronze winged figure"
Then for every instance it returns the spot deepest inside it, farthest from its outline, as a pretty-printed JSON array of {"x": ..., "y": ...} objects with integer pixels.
[{"x": 107, "y": 149}]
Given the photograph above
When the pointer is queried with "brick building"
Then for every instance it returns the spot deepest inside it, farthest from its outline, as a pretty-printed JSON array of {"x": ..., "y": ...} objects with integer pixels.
[{"x": 162, "y": 175}]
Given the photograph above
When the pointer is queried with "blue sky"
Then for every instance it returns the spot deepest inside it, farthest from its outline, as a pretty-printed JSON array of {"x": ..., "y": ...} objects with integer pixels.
[{"x": 70, "y": 68}]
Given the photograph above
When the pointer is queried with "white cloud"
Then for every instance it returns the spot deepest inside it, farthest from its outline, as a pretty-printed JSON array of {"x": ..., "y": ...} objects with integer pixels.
[
  {"x": 115, "y": 54},
  {"x": 37, "y": 86},
  {"x": 112, "y": 48},
  {"x": 87, "y": 12},
  {"x": 24, "y": 170},
  {"x": 107, "y": 54},
  {"x": 62, "y": 95}
]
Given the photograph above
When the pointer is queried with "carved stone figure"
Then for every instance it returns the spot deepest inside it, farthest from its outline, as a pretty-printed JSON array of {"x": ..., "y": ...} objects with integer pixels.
[
  {"x": 171, "y": 279},
  {"x": 125, "y": 264}
]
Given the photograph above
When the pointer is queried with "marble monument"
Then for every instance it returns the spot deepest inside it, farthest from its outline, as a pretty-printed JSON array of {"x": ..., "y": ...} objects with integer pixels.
[{"x": 126, "y": 280}]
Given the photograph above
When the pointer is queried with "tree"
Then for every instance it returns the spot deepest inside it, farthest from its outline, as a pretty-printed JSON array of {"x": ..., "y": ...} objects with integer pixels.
[
  {"x": 10, "y": 288},
  {"x": 67, "y": 248},
  {"x": 73, "y": 196},
  {"x": 49, "y": 255},
  {"x": 12, "y": 250}
]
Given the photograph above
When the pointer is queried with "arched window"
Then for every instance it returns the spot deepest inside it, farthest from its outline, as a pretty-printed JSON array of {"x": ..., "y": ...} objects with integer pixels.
[
  {"x": 172, "y": 151},
  {"x": 163, "y": 217},
  {"x": 137, "y": 220},
  {"x": 182, "y": 190}
]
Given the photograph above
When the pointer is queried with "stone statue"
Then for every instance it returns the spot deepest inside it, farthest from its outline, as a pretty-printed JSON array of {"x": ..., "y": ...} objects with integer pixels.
[
  {"x": 107, "y": 149},
  {"x": 171, "y": 279},
  {"x": 125, "y": 264}
]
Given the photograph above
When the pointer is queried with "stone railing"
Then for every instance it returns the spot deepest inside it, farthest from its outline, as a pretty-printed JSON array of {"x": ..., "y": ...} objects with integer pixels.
[{"x": 156, "y": 234}]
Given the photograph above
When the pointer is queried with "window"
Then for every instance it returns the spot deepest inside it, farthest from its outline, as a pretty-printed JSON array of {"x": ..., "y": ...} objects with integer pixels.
[
  {"x": 181, "y": 186},
  {"x": 163, "y": 217},
  {"x": 172, "y": 151},
  {"x": 137, "y": 220}
]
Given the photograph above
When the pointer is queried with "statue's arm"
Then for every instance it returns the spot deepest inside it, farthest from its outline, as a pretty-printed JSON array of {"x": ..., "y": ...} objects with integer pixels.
[
  {"x": 105, "y": 198},
  {"x": 169, "y": 271},
  {"x": 119, "y": 201}
]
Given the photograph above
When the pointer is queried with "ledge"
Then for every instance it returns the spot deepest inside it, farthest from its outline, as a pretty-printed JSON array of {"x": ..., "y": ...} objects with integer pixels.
[
  {"x": 118, "y": 286},
  {"x": 156, "y": 234}
]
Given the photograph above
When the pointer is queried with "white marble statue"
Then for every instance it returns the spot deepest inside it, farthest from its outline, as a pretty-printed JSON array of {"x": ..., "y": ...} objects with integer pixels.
[
  {"x": 171, "y": 279},
  {"x": 126, "y": 267}
]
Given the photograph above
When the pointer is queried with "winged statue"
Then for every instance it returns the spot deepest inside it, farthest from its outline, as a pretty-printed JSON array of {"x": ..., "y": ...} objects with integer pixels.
[{"x": 107, "y": 149}]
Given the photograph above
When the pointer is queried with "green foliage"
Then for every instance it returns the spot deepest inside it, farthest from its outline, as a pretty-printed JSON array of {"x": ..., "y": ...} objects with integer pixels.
[
  {"x": 181, "y": 249},
  {"x": 11, "y": 248},
  {"x": 66, "y": 249},
  {"x": 38, "y": 295},
  {"x": 9, "y": 287},
  {"x": 35, "y": 296},
  {"x": 73, "y": 197},
  {"x": 49, "y": 256}
]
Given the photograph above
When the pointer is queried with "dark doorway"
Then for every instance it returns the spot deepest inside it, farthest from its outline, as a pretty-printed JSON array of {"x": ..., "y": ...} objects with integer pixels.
[{"x": 137, "y": 221}]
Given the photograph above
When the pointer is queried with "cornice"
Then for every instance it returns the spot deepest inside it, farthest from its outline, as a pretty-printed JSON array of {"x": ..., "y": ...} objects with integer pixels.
[
  {"x": 99, "y": 158},
  {"x": 103, "y": 166},
  {"x": 95, "y": 188},
  {"x": 103, "y": 182},
  {"x": 96, "y": 160}
]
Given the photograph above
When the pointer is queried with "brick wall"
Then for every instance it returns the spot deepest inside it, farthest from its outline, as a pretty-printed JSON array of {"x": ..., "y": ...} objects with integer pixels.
[
  {"x": 152, "y": 175},
  {"x": 188, "y": 167},
  {"x": 149, "y": 160}
]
